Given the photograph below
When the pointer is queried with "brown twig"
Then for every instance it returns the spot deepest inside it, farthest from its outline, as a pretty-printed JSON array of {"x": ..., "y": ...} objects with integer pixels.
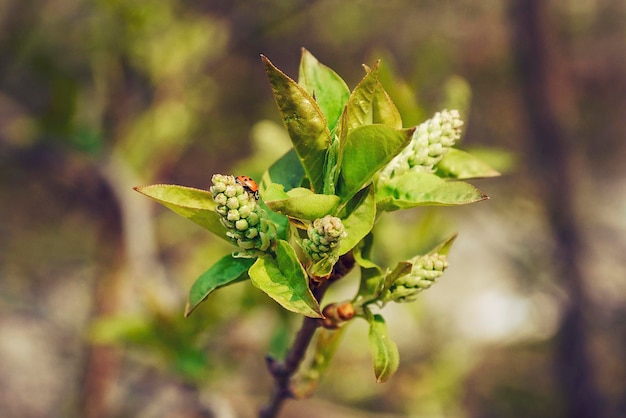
[{"x": 283, "y": 371}]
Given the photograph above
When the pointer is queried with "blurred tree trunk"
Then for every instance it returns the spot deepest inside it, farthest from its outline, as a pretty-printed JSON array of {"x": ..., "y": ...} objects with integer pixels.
[
  {"x": 102, "y": 366},
  {"x": 546, "y": 94}
]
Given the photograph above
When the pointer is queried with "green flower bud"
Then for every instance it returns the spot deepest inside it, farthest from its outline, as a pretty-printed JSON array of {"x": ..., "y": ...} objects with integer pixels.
[
  {"x": 431, "y": 141},
  {"x": 233, "y": 203},
  {"x": 244, "y": 211},
  {"x": 220, "y": 199},
  {"x": 231, "y": 190},
  {"x": 324, "y": 234},
  {"x": 241, "y": 225},
  {"x": 233, "y": 215},
  {"x": 425, "y": 271},
  {"x": 253, "y": 219},
  {"x": 324, "y": 237},
  {"x": 246, "y": 222}
]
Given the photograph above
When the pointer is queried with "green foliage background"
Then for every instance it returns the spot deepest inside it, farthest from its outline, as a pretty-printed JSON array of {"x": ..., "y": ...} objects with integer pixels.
[{"x": 99, "y": 96}]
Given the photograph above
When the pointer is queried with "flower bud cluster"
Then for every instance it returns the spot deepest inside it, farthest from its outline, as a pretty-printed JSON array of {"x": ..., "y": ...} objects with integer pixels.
[
  {"x": 324, "y": 234},
  {"x": 247, "y": 223},
  {"x": 425, "y": 271},
  {"x": 431, "y": 141}
]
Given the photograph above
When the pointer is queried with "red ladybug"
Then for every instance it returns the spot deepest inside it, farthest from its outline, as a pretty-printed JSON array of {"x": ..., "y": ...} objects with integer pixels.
[{"x": 250, "y": 185}]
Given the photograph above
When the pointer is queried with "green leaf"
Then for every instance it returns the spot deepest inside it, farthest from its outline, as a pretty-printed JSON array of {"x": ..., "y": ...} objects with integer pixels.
[
  {"x": 332, "y": 167},
  {"x": 287, "y": 171},
  {"x": 371, "y": 274},
  {"x": 284, "y": 280},
  {"x": 194, "y": 204},
  {"x": 363, "y": 252},
  {"x": 323, "y": 267},
  {"x": 304, "y": 204},
  {"x": 403, "y": 94},
  {"x": 414, "y": 189},
  {"x": 281, "y": 222},
  {"x": 227, "y": 270},
  {"x": 501, "y": 160},
  {"x": 402, "y": 269},
  {"x": 361, "y": 211},
  {"x": 274, "y": 191},
  {"x": 304, "y": 121},
  {"x": 463, "y": 165},
  {"x": 368, "y": 148},
  {"x": 179, "y": 196},
  {"x": 370, "y": 285},
  {"x": 444, "y": 246},
  {"x": 329, "y": 90},
  {"x": 384, "y": 351},
  {"x": 384, "y": 111},
  {"x": 359, "y": 108}
]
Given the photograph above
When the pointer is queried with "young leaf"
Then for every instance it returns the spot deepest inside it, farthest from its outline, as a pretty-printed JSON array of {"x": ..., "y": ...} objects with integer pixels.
[
  {"x": 414, "y": 189},
  {"x": 274, "y": 191},
  {"x": 359, "y": 108},
  {"x": 444, "y": 246},
  {"x": 194, "y": 204},
  {"x": 284, "y": 280},
  {"x": 287, "y": 171},
  {"x": 363, "y": 251},
  {"x": 227, "y": 270},
  {"x": 332, "y": 166},
  {"x": 402, "y": 269},
  {"x": 304, "y": 121},
  {"x": 307, "y": 206},
  {"x": 371, "y": 274},
  {"x": 384, "y": 351},
  {"x": 281, "y": 222},
  {"x": 462, "y": 165},
  {"x": 361, "y": 211},
  {"x": 370, "y": 286},
  {"x": 367, "y": 149},
  {"x": 329, "y": 90},
  {"x": 384, "y": 111}
]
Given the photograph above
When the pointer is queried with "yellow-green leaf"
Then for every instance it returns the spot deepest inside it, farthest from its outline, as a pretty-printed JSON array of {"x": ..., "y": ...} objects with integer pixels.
[
  {"x": 325, "y": 85},
  {"x": 462, "y": 165},
  {"x": 368, "y": 148},
  {"x": 306, "y": 205},
  {"x": 360, "y": 219},
  {"x": 194, "y": 204},
  {"x": 414, "y": 189},
  {"x": 385, "y": 354},
  {"x": 283, "y": 279},
  {"x": 304, "y": 121}
]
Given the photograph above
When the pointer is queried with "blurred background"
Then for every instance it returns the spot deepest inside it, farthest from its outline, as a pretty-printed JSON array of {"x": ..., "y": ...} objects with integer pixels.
[{"x": 98, "y": 96}]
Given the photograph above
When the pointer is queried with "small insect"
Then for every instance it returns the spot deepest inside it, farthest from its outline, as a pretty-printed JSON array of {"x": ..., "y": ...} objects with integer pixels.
[{"x": 250, "y": 185}]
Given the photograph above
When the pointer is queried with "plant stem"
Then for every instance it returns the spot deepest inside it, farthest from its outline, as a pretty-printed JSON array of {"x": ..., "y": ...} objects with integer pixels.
[{"x": 283, "y": 371}]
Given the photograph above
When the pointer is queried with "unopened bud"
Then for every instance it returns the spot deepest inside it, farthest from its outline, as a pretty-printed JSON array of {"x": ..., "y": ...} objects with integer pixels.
[
  {"x": 245, "y": 220},
  {"x": 424, "y": 273},
  {"x": 431, "y": 141}
]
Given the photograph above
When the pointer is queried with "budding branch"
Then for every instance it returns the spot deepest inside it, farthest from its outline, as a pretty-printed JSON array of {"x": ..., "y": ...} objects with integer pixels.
[{"x": 283, "y": 371}]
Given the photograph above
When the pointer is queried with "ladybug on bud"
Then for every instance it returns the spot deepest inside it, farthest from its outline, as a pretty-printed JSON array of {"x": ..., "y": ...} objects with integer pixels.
[{"x": 250, "y": 185}]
